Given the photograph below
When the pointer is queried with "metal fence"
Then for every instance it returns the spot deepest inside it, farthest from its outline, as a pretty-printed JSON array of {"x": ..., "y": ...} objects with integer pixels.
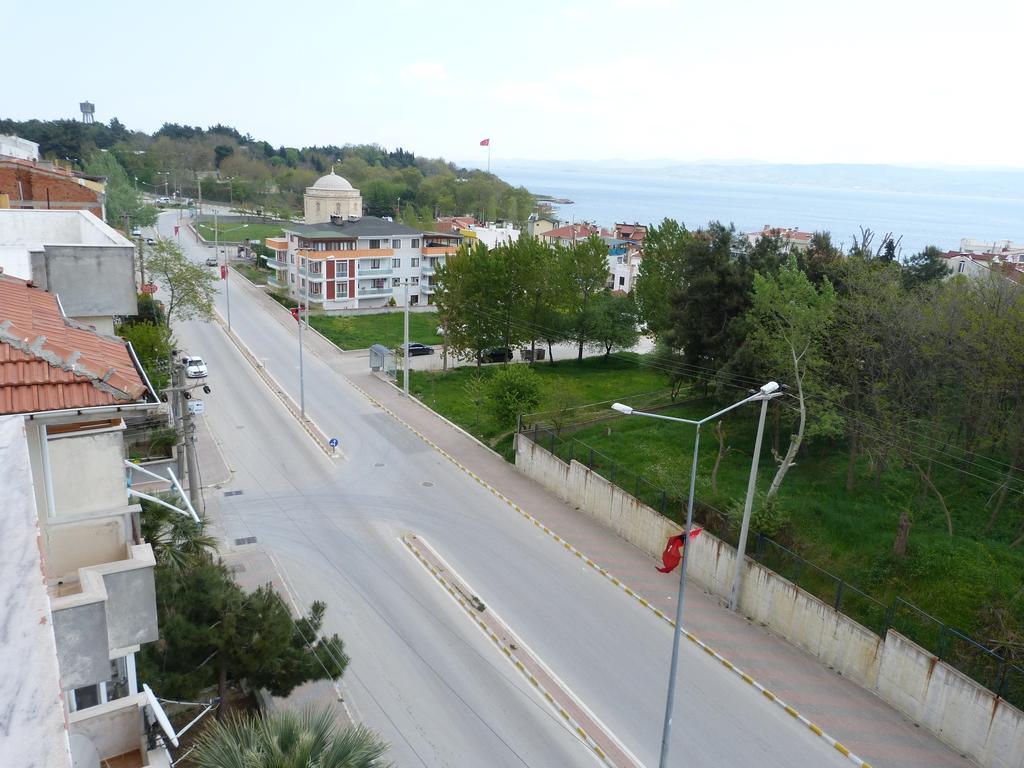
[{"x": 1001, "y": 675}]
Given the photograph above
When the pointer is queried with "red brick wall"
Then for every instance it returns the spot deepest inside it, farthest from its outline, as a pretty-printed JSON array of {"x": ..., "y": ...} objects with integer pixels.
[{"x": 64, "y": 193}]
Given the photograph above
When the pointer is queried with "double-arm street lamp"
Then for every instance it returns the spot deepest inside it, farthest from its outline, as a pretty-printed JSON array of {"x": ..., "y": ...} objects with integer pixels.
[{"x": 764, "y": 394}]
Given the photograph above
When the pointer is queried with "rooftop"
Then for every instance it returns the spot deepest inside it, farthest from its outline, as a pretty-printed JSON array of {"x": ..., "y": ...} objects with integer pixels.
[
  {"x": 49, "y": 363},
  {"x": 572, "y": 231},
  {"x": 365, "y": 226},
  {"x": 37, "y": 227}
]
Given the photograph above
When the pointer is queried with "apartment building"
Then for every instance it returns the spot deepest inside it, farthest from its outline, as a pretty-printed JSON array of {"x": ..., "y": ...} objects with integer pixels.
[
  {"x": 356, "y": 263},
  {"x": 76, "y": 579},
  {"x": 28, "y": 182}
]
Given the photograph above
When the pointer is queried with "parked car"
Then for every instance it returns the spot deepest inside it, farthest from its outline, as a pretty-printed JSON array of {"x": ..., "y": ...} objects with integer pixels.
[
  {"x": 415, "y": 349},
  {"x": 150, "y": 241},
  {"x": 137, "y": 232},
  {"x": 495, "y": 355},
  {"x": 195, "y": 367},
  {"x": 211, "y": 261}
]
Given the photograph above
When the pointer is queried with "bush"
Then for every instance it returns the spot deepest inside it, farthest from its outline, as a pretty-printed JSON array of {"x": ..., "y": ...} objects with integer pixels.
[
  {"x": 152, "y": 343},
  {"x": 767, "y": 517},
  {"x": 512, "y": 390}
]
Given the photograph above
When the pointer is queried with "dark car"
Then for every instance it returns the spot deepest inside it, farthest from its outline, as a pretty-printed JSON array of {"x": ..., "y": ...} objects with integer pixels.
[
  {"x": 495, "y": 355},
  {"x": 415, "y": 349}
]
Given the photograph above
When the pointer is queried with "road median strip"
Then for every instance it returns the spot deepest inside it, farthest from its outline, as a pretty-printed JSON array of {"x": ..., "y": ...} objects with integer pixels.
[{"x": 583, "y": 725}]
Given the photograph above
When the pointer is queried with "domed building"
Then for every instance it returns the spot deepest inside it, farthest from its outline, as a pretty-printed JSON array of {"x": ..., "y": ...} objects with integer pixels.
[{"x": 331, "y": 195}]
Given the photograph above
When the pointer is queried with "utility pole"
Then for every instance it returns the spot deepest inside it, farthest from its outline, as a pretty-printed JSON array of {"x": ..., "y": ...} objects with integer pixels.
[
  {"x": 174, "y": 399},
  {"x": 142, "y": 262},
  {"x": 406, "y": 357},
  {"x": 224, "y": 267},
  {"x": 188, "y": 433},
  {"x": 302, "y": 380}
]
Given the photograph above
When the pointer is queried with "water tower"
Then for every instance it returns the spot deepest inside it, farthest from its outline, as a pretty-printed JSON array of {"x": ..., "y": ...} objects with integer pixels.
[{"x": 88, "y": 110}]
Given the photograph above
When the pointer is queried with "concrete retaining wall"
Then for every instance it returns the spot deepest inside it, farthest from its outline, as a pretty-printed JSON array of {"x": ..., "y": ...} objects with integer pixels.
[{"x": 968, "y": 717}]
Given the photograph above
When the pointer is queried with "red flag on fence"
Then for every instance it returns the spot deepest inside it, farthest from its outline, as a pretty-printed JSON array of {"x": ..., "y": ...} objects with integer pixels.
[
  {"x": 671, "y": 557},
  {"x": 485, "y": 142}
]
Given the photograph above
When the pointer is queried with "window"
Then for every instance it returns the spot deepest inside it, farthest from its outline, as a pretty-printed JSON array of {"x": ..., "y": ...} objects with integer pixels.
[
  {"x": 377, "y": 283},
  {"x": 341, "y": 269},
  {"x": 291, "y": 277},
  {"x": 415, "y": 243},
  {"x": 414, "y": 281},
  {"x": 414, "y": 262},
  {"x": 622, "y": 281},
  {"x": 396, "y": 243},
  {"x": 374, "y": 244},
  {"x": 396, "y": 263},
  {"x": 291, "y": 257},
  {"x": 395, "y": 282},
  {"x": 374, "y": 263},
  {"x": 961, "y": 267},
  {"x": 341, "y": 290}
]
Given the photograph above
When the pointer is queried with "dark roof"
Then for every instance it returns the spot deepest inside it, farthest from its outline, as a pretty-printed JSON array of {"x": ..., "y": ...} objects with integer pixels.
[{"x": 366, "y": 226}]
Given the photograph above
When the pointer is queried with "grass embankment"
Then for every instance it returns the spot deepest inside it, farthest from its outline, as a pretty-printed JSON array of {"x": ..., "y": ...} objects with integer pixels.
[
  {"x": 972, "y": 580},
  {"x": 251, "y": 272},
  {"x": 362, "y": 331},
  {"x": 234, "y": 233}
]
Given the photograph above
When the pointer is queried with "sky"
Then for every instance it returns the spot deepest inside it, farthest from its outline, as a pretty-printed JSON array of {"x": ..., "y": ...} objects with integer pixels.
[{"x": 804, "y": 81}]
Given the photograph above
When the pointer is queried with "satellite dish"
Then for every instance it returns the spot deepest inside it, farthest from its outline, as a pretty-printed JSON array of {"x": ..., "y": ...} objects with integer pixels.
[
  {"x": 83, "y": 752},
  {"x": 159, "y": 714}
]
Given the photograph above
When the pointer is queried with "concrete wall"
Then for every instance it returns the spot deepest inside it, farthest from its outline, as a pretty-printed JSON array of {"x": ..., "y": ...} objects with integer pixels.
[
  {"x": 113, "y": 728},
  {"x": 87, "y": 472},
  {"x": 90, "y": 280},
  {"x": 81, "y": 543},
  {"x": 80, "y": 625},
  {"x": 131, "y": 599},
  {"x": 958, "y": 710}
]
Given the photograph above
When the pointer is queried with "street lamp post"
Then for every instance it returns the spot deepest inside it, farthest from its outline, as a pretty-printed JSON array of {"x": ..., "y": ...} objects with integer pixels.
[
  {"x": 764, "y": 394},
  {"x": 406, "y": 358},
  {"x": 227, "y": 271}
]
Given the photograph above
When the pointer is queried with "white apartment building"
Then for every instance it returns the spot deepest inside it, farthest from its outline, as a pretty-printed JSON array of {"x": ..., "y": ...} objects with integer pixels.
[
  {"x": 356, "y": 263},
  {"x": 1004, "y": 250}
]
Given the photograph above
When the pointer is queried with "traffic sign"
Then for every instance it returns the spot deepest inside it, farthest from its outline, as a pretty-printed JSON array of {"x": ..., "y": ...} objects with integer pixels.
[
  {"x": 196, "y": 406},
  {"x": 333, "y": 442},
  {"x": 149, "y": 288}
]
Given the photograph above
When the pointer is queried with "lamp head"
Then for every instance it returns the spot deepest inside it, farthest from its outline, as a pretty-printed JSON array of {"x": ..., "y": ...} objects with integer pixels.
[
  {"x": 770, "y": 388},
  {"x": 622, "y": 408}
]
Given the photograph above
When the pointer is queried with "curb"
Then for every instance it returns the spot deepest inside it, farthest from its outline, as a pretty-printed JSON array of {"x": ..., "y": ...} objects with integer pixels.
[
  {"x": 813, "y": 727},
  {"x": 510, "y": 654},
  {"x": 310, "y": 426}
]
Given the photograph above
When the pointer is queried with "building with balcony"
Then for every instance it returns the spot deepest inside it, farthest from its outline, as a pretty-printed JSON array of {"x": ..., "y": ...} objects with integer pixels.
[
  {"x": 358, "y": 263},
  {"x": 88, "y": 265},
  {"x": 76, "y": 579}
]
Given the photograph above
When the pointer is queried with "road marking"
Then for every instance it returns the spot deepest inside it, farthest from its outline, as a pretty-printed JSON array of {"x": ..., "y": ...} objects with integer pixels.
[
  {"x": 814, "y": 728},
  {"x": 599, "y": 739}
]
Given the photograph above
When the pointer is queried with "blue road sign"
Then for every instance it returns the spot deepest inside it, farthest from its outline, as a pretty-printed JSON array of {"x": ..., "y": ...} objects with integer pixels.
[{"x": 333, "y": 442}]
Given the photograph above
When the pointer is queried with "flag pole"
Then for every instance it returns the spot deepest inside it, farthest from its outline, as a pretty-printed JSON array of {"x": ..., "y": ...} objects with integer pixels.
[{"x": 488, "y": 156}]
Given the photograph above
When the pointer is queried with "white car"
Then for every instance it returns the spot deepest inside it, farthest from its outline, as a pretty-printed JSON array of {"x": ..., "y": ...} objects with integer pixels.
[{"x": 195, "y": 367}]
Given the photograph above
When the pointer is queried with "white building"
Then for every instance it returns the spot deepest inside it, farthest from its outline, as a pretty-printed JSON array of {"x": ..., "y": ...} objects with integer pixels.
[
  {"x": 331, "y": 195},
  {"x": 1005, "y": 250},
  {"x": 791, "y": 238},
  {"x": 358, "y": 263},
  {"x": 19, "y": 148},
  {"x": 76, "y": 579},
  {"x": 492, "y": 235}
]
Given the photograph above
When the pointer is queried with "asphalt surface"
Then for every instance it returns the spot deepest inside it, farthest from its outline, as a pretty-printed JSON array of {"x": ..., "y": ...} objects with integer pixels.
[{"x": 422, "y": 675}]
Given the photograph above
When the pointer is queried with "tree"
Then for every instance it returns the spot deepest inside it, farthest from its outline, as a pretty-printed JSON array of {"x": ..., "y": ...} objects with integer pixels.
[
  {"x": 661, "y": 274},
  {"x": 586, "y": 265},
  {"x": 179, "y": 542},
  {"x": 464, "y": 285},
  {"x": 152, "y": 344},
  {"x": 790, "y": 318},
  {"x": 924, "y": 268},
  {"x": 511, "y": 391},
  {"x": 287, "y": 739},
  {"x": 214, "y": 633},
  {"x": 125, "y": 207},
  {"x": 613, "y": 322},
  {"x": 189, "y": 286}
]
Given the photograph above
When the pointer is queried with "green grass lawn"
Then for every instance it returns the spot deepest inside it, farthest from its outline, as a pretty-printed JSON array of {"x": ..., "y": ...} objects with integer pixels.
[
  {"x": 251, "y": 272},
  {"x": 968, "y": 581},
  {"x": 362, "y": 331},
  {"x": 233, "y": 233}
]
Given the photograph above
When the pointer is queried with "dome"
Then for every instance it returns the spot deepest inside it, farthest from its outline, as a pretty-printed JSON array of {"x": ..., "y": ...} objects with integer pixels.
[{"x": 332, "y": 181}]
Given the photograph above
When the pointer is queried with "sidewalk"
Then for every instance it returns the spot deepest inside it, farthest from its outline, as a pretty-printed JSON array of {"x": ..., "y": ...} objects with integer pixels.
[{"x": 851, "y": 714}]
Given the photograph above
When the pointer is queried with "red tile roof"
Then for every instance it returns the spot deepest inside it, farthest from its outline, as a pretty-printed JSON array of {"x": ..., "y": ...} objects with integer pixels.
[
  {"x": 785, "y": 233},
  {"x": 48, "y": 362},
  {"x": 571, "y": 232}
]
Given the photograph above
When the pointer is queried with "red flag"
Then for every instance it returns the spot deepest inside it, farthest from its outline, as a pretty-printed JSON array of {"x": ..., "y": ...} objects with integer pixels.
[
  {"x": 485, "y": 143},
  {"x": 671, "y": 557},
  {"x": 223, "y": 271}
]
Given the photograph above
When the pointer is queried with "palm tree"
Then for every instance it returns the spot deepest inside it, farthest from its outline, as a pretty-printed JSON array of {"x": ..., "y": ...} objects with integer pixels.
[
  {"x": 304, "y": 739},
  {"x": 178, "y": 541}
]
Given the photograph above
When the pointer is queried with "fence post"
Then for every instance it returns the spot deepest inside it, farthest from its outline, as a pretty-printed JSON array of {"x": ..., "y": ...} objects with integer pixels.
[
  {"x": 663, "y": 502},
  {"x": 590, "y": 463},
  {"x": 759, "y": 549},
  {"x": 536, "y": 430},
  {"x": 636, "y": 487},
  {"x": 890, "y": 615},
  {"x": 941, "y": 652},
  {"x": 553, "y": 444},
  {"x": 572, "y": 451},
  {"x": 615, "y": 466},
  {"x": 839, "y": 594}
]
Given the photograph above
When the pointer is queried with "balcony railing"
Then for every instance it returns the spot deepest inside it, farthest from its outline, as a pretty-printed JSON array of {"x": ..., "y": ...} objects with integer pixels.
[
  {"x": 427, "y": 269},
  {"x": 373, "y": 291},
  {"x": 427, "y": 288},
  {"x": 380, "y": 271},
  {"x": 275, "y": 264}
]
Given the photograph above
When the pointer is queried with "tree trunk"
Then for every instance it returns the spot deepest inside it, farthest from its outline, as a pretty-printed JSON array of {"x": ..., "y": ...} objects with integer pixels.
[
  {"x": 1004, "y": 489},
  {"x": 551, "y": 355},
  {"x": 795, "y": 440},
  {"x": 899, "y": 546},
  {"x": 722, "y": 450},
  {"x": 926, "y": 477},
  {"x": 222, "y": 691},
  {"x": 851, "y": 465}
]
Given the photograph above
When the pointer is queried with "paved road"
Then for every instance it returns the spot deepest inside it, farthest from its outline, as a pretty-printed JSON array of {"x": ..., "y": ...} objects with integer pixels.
[{"x": 422, "y": 675}]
